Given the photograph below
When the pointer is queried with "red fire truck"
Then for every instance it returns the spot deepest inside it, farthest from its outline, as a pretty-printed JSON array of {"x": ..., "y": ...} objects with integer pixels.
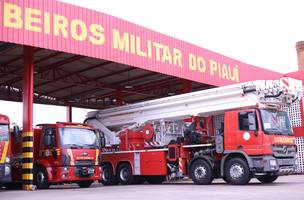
[
  {"x": 5, "y": 150},
  {"x": 233, "y": 132},
  {"x": 63, "y": 153}
]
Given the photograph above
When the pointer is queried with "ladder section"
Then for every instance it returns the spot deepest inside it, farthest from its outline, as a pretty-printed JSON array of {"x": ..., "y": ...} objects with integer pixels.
[{"x": 202, "y": 103}]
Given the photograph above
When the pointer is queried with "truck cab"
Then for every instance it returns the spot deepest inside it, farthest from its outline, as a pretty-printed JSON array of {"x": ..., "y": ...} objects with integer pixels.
[
  {"x": 5, "y": 151},
  {"x": 263, "y": 138},
  {"x": 65, "y": 153}
]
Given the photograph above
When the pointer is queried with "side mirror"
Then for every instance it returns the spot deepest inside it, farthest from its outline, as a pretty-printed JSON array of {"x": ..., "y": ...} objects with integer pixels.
[
  {"x": 47, "y": 140},
  {"x": 252, "y": 121},
  {"x": 54, "y": 154},
  {"x": 16, "y": 131},
  {"x": 102, "y": 142}
]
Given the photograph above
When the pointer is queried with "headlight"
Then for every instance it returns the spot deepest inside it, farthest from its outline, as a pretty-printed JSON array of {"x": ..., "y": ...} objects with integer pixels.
[
  {"x": 7, "y": 170},
  {"x": 7, "y": 159},
  {"x": 65, "y": 169},
  {"x": 273, "y": 163}
]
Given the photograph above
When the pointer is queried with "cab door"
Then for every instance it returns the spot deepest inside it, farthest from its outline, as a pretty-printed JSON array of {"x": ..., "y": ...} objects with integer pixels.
[
  {"x": 250, "y": 135},
  {"x": 48, "y": 145}
]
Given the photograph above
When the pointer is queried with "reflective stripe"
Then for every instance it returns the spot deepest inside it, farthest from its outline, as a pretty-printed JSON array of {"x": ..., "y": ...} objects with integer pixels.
[
  {"x": 4, "y": 153},
  {"x": 27, "y": 165},
  {"x": 70, "y": 153},
  {"x": 27, "y": 155},
  {"x": 96, "y": 158},
  {"x": 27, "y": 144},
  {"x": 27, "y": 176},
  {"x": 136, "y": 163},
  {"x": 28, "y": 134}
]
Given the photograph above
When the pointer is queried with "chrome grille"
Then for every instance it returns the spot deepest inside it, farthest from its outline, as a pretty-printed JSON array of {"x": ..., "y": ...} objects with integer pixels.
[
  {"x": 84, "y": 162},
  {"x": 284, "y": 150}
]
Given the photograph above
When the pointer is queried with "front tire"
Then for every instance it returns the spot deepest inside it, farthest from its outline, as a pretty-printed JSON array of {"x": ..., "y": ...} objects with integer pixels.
[
  {"x": 85, "y": 184},
  {"x": 237, "y": 171},
  {"x": 201, "y": 172},
  {"x": 124, "y": 174},
  {"x": 267, "y": 178},
  {"x": 108, "y": 177},
  {"x": 41, "y": 179}
]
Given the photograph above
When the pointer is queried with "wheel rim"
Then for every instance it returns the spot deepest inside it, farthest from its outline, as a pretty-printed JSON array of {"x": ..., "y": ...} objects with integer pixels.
[
  {"x": 200, "y": 172},
  {"x": 236, "y": 171},
  {"x": 105, "y": 175},
  {"x": 40, "y": 177},
  {"x": 123, "y": 174}
]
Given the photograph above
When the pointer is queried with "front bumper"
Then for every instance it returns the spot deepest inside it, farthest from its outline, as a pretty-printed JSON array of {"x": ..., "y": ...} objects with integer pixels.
[
  {"x": 73, "y": 174},
  {"x": 277, "y": 166},
  {"x": 5, "y": 173}
]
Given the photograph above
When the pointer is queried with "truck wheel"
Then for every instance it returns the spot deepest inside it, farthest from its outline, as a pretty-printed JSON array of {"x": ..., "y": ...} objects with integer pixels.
[
  {"x": 85, "y": 184},
  {"x": 41, "y": 179},
  {"x": 155, "y": 179},
  {"x": 267, "y": 178},
  {"x": 201, "y": 172},
  {"x": 124, "y": 174},
  {"x": 237, "y": 171},
  {"x": 107, "y": 175}
]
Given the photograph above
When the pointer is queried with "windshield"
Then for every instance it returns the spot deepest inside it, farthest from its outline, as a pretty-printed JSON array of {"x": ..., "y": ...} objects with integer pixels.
[
  {"x": 276, "y": 122},
  {"x": 78, "y": 137},
  {"x": 4, "y": 132}
]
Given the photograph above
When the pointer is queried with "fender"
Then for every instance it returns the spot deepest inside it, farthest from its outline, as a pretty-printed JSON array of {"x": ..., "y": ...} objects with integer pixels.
[
  {"x": 44, "y": 163},
  {"x": 228, "y": 153}
]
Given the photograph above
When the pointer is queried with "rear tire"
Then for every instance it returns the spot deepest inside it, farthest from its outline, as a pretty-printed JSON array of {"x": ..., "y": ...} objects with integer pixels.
[
  {"x": 41, "y": 179},
  {"x": 155, "y": 179},
  {"x": 267, "y": 178},
  {"x": 201, "y": 172},
  {"x": 237, "y": 171},
  {"x": 107, "y": 175},
  {"x": 124, "y": 174},
  {"x": 85, "y": 184}
]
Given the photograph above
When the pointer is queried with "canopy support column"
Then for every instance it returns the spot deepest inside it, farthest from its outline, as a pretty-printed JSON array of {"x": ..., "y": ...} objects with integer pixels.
[{"x": 27, "y": 133}]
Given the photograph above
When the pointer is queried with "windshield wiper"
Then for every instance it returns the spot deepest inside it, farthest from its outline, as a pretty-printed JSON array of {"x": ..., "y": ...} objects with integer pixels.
[
  {"x": 75, "y": 146},
  {"x": 91, "y": 146},
  {"x": 274, "y": 131}
]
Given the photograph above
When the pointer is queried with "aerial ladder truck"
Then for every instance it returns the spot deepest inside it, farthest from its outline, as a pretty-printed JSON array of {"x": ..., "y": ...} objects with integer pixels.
[{"x": 234, "y": 132}]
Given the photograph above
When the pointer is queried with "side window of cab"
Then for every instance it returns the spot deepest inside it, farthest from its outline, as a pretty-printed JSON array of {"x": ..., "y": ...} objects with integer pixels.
[
  {"x": 248, "y": 121},
  {"x": 49, "y": 137}
]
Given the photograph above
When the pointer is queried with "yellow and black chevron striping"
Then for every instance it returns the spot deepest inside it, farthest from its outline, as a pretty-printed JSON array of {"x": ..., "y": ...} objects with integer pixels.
[{"x": 27, "y": 160}]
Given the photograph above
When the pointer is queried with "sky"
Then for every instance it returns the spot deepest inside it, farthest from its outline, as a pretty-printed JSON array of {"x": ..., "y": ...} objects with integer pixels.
[{"x": 258, "y": 32}]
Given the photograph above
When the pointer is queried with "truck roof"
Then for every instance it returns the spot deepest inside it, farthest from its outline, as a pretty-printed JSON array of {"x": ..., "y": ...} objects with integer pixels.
[
  {"x": 66, "y": 124},
  {"x": 4, "y": 119}
]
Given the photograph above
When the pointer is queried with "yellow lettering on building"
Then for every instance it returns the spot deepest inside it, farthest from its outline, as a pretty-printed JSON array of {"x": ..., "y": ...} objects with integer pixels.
[
  {"x": 158, "y": 47},
  {"x": 192, "y": 62},
  {"x": 121, "y": 43},
  {"x": 47, "y": 23},
  {"x": 224, "y": 71},
  {"x": 177, "y": 57},
  {"x": 60, "y": 26},
  {"x": 132, "y": 44},
  {"x": 213, "y": 67},
  {"x": 32, "y": 20},
  {"x": 97, "y": 36},
  {"x": 201, "y": 64},
  {"x": 149, "y": 47},
  {"x": 166, "y": 55},
  {"x": 12, "y": 16},
  {"x": 139, "y": 52},
  {"x": 76, "y": 25}
]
